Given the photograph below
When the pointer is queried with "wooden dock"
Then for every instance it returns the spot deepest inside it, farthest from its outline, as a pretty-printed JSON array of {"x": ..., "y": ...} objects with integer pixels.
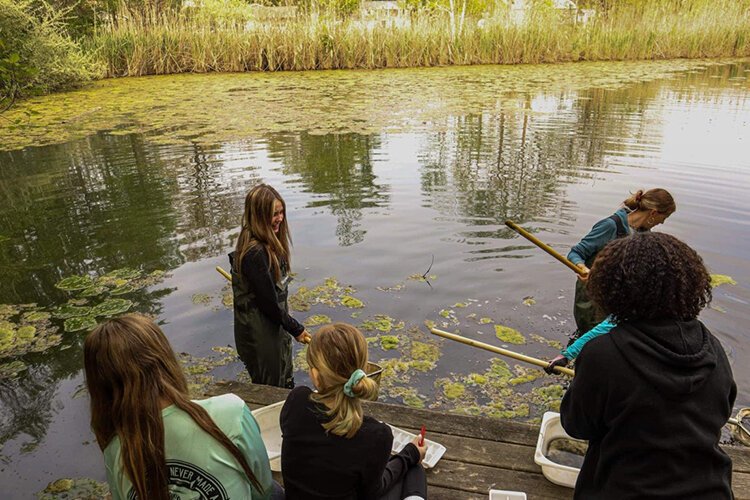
[{"x": 482, "y": 453}]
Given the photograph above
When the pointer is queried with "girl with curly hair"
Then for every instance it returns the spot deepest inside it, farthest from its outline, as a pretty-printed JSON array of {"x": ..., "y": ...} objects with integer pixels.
[{"x": 651, "y": 396}]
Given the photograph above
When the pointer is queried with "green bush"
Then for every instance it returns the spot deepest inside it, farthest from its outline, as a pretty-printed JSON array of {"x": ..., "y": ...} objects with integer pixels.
[{"x": 36, "y": 53}]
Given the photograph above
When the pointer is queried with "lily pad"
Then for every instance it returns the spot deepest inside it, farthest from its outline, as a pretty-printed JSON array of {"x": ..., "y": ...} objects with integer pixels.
[
  {"x": 11, "y": 370},
  {"x": 124, "y": 273},
  {"x": 35, "y": 316},
  {"x": 111, "y": 307},
  {"x": 123, "y": 289},
  {"x": 66, "y": 311},
  {"x": 75, "y": 283},
  {"x": 93, "y": 291},
  {"x": 79, "y": 323},
  {"x": 26, "y": 333}
]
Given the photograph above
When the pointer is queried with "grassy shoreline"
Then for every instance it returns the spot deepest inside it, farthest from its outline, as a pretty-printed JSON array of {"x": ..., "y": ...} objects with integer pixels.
[{"x": 163, "y": 44}]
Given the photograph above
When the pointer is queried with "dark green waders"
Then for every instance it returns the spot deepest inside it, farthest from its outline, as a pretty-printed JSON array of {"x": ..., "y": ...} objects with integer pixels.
[
  {"x": 263, "y": 345},
  {"x": 585, "y": 311}
]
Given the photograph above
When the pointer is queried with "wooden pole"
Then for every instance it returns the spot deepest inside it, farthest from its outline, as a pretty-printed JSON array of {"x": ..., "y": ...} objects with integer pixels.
[
  {"x": 498, "y": 350},
  {"x": 543, "y": 246},
  {"x": 224, "y": 273}
]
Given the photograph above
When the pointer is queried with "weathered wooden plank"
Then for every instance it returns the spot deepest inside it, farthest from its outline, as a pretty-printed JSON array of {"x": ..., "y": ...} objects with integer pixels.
[
  {"x": 741, "y": 485},
  {"x": 481, "y": 452},
  {"x": 480, "y": 479},
  {"x": 458, "y": 425},
  {"x": 740, "y": 457}
]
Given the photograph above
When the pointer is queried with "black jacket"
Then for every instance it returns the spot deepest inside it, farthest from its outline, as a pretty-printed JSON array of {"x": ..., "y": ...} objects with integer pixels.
[
  {"x": 318, "y": 465},
  {"x": 652, "y": 398}
]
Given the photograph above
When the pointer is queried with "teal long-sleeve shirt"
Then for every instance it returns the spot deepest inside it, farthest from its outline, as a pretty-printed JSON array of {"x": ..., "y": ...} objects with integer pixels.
[
  {"x": 573, "y": 350},
  {"x": 602, "y": 233}
]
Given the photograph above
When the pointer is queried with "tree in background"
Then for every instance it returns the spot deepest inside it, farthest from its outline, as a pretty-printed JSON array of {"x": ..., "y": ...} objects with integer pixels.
[{"x": 36, "y": 53}]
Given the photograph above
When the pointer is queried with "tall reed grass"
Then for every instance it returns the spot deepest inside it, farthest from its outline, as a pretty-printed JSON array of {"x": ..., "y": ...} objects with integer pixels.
[{"x": 162, "y": 43}]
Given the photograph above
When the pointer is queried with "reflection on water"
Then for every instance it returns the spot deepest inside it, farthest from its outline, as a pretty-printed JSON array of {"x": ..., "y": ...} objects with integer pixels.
[{"x": 372, "y": 209}]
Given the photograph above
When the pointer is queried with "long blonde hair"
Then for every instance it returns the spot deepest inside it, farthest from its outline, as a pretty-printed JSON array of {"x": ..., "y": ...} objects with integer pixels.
[
  {"x": 654, "y": 199},
  {"x": 256, "y": 230},
  {"x": 336, "y": 351},
  {"x": 130, "y": 371}
]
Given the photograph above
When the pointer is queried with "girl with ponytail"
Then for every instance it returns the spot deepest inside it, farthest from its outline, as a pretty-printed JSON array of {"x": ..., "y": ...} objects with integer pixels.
[
  {"x": 640, "y": 212},
  {"x": 157, "y": 443},
  {"x": 330, "y": 449}
]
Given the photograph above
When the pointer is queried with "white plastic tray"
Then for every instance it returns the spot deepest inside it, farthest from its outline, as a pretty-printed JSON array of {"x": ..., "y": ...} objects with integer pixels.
[
  {"x": 507, "y": 495},
  {"x": 434, "y": 450},
  {"x": 270, "y": 430},
  {"x": 550, "y": 430}
]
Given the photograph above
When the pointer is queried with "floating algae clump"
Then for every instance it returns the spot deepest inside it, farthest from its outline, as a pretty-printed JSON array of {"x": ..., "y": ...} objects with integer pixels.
[
  {"x": 475, "y": 379},
  {"x": 382, "y": 323},
  {"x": 388, "y": 342},
  {"x": 453, "y": 390},
  {"x": 80, "y": 488},
  {"x": 317, "y": 319},
  {"x": 721, "y": 279},
  {"x": 352, "y": 302},
  {"x": 110, "y": 307},
  {"x": 485, "y": 321},
  {"x": 201, "y": 298},
  {"x": 409, "y": 396},
  {"x": 509, "y": 335},
  {"x": 424, "y": 356}
]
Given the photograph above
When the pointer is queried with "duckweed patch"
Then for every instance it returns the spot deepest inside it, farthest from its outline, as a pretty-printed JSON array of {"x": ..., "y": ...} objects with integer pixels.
[
  {"x": 721, "y": 279},
  {"x": 197, "y": 369},
  {"x": 453, "y": 390},
  {"x": 509, "y": 335},
  {"x": 330, "y": 293}
]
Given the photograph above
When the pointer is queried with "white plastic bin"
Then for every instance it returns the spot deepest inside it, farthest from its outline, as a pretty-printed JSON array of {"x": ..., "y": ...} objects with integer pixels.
[
  {"x": 507, "y": 495},
  {"x": 434, "y": 450},
  {"x": 270, "y": 430},
  {"x": 550, "y": 430}
]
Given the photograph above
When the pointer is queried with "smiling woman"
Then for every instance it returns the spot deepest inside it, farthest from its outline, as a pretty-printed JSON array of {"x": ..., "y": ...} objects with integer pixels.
[{"x": 260, "y": 281}]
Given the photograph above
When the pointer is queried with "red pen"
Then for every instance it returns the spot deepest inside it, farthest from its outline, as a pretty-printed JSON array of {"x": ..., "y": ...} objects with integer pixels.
[{"x": 421, "y": 436}]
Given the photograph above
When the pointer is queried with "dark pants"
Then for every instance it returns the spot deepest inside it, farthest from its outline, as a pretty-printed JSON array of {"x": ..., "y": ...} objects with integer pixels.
[
  {"x": 585, "y": 311},
  {"x": 414, "y": 483}
]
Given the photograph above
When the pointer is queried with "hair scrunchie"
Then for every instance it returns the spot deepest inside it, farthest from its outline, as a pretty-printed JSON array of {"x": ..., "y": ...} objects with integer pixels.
[{"x": 354, "y": 379}]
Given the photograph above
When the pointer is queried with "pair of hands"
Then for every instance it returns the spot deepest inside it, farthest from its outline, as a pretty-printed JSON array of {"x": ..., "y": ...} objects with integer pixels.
[
  {"x": 558, "y": 360},
  {"x": 422, "y": 449}
]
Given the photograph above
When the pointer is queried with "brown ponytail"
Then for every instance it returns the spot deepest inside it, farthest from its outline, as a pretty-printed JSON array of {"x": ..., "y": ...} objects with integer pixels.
[{"x": 654, "y": 199}]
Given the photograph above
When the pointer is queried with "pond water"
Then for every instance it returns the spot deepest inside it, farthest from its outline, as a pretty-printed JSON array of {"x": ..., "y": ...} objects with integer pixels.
[{"x": 385, "y": 174}]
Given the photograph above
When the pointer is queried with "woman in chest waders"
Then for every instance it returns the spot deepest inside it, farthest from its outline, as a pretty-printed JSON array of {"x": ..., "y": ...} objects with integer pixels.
[
  {"x": 263, "y": 328},
  {"x": 641, "y": 212}
]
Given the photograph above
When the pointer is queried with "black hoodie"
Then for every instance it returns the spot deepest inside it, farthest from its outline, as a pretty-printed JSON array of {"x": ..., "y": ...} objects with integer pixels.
[{"x": 651, "y": 399}]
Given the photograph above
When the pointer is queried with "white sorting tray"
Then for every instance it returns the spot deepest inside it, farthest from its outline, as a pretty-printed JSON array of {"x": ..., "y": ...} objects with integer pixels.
[
  {"x": 507, "y": 495},
  {"x": 270, "y": 430},
  {"x": 434, "y": 450},
  {"x": 550, "y": 430}
]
